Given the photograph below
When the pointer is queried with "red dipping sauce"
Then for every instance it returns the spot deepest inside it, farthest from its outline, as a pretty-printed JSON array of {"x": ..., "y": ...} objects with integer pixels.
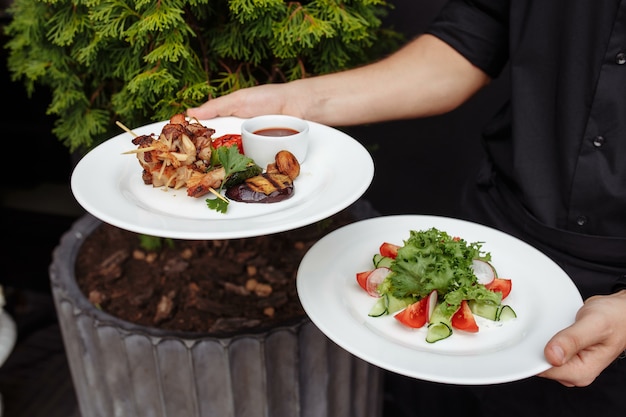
[{"x": 276, "y": 131}]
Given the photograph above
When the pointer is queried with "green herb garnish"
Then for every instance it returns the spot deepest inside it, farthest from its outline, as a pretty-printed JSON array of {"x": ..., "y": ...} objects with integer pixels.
[{"x": 233, "y": 162}]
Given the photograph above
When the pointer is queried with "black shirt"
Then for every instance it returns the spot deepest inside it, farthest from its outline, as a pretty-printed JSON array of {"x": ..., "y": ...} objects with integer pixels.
[{"x": 560, "y": 144}]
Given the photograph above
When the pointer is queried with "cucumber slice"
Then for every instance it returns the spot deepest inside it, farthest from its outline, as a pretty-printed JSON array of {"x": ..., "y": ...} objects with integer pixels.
[
  {"x": 382, "y": 261},
  {"x": 506, "y": 313},
  {"x": 486, "y": 310},
  {"x": 492, "y": 311},
  {"x": 437, "y": 332},
  {"x": 439, "y": 326},
  {"x": 396, "y": 304},
  {"x": 379, "y": 308}
]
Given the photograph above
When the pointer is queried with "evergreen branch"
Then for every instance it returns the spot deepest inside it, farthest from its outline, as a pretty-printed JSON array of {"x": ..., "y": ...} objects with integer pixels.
[{"x": 142, "y": 61}]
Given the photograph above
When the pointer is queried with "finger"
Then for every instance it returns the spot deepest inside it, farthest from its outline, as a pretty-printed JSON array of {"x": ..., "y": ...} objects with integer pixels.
[
  {"x": 576, "y": 372},
  {"x": 205, "y": 111},
  {"x": 558, "y": 375},
  {"x": 554, "y": 353},
  {"x": 570, "y": 341}
]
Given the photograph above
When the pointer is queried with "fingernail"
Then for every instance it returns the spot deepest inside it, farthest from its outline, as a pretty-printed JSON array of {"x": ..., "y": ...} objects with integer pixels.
[{"x": 558, "y": 353}]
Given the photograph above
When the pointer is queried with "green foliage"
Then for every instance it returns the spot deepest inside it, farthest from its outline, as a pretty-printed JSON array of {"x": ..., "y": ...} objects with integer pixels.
[
  {"x": 143, "y": 61},
  {"x": 154, "y": 243}
]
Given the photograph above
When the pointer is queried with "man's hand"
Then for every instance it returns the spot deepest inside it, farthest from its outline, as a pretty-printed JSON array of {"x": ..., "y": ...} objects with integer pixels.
[
  {"x": 582, "y": 351},
  {"x": 424, "y": 78},
  {"x": 248, "y": 102}
]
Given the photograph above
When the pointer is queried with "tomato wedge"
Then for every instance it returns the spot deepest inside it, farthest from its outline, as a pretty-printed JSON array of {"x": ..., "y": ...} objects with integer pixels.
[
  {"x": 502, "y": 285},
  {"x": 229, "y": 140},
  {"x": 389, "y": 250},
  {"x": 361, "y": 278},
  {"x": 463, "y": 319},
  {"x": 416, "y": 315},
  {"x": 370, "y": 280}
]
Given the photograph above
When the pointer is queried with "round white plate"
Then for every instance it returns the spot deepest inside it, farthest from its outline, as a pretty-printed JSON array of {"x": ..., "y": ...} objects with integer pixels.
[
  {"x": 543, "y": 296},
  {"x": 107, "y": 183},
  {"x": 8, "y": 335}
]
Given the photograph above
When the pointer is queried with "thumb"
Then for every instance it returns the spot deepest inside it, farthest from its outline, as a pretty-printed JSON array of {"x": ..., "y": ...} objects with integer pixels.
[
  {"x": 554, "y": 353},
  {"x": 570, "y": 341}
]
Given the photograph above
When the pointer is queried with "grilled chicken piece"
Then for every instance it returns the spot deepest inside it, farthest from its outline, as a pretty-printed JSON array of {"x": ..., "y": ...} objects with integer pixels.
[
  {"x": 200, "y": 184},
  {"x": 181, "y": 150},
  {"x": 264, "y": 188}
]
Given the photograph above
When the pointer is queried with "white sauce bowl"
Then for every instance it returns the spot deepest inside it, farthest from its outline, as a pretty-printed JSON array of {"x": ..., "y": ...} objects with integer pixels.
[{"x": 263, "y": 148}]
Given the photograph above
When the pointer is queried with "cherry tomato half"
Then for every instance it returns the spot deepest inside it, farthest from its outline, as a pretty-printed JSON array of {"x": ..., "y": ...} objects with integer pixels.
[{"x": 229, "y": 140}]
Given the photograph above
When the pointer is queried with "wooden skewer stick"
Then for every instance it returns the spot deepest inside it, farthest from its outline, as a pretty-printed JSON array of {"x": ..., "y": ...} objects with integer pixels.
[
  {"x": 140, "y": 150},
  {"x": 125, "y": 128},
  {"x": 218, "y": 195}
]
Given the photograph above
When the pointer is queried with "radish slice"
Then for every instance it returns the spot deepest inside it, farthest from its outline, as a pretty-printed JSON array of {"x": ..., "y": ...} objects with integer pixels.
[
  {"x": 374, "y": 279},
  {"x": 432, "y": 303},
  {"x": 484, "y": 271}
]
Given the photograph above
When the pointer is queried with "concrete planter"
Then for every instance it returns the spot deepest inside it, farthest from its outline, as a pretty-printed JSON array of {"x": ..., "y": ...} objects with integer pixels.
[{"x": 122, "y": 369}]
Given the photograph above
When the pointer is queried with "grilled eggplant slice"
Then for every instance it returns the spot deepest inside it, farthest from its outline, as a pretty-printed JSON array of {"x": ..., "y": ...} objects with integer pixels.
[{"x": 263, "y": 188}]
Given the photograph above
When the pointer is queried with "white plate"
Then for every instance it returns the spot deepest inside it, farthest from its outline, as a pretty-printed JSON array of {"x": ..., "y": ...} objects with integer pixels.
[
  {"x": 543, "y": 296},
  {"x": 108, "y": 184},
  {"x": 8, "y": 335}
]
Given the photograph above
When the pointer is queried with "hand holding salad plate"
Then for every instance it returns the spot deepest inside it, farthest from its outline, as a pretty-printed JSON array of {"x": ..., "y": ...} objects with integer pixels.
[{"x": 543, "y": 297}]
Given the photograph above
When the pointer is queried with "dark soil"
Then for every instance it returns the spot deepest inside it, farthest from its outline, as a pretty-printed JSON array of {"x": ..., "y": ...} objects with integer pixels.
[{"x": 213, "y": 287}]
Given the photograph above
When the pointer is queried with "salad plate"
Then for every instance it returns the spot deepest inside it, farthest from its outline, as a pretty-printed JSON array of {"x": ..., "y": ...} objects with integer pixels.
[
  {"x": 107, "y": 183},
  {"x": 8, "y": 335},
  {"x": 543, "y": 297}
]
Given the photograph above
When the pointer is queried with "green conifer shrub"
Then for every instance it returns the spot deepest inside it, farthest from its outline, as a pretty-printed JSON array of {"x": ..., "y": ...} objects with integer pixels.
[{"x": 145, "y": 60}]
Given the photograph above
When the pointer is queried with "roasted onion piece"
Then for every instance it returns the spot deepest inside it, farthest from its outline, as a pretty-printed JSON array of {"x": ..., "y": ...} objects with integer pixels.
[
  {"x": 284, "y": 163},
  {"x": 287, "y": 164}
]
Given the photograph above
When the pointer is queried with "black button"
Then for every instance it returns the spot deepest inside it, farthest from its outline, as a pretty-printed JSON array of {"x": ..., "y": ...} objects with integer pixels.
[
  {"x": 598, "y": 141},
  {"x": 581, "y": 220},
  {"x": 620, "y": 58}
]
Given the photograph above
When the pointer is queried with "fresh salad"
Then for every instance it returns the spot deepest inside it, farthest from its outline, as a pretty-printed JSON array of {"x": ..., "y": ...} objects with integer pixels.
[{"x": 436, "y": 280}]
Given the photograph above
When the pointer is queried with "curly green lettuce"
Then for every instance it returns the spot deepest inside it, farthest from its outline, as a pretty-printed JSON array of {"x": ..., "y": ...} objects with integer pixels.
[{"x": 433, "y": 260}]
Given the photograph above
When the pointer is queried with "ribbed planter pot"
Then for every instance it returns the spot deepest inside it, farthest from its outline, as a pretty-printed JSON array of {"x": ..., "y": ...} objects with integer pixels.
[{"x": 122, "y": 369}]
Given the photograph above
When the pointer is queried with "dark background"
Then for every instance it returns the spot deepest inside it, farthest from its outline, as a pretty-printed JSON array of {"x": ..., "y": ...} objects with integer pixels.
[{"x": 420, "y": 166}]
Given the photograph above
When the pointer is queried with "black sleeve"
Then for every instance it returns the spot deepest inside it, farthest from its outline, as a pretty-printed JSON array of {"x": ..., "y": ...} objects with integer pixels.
[{"x": 478, "y": 30}]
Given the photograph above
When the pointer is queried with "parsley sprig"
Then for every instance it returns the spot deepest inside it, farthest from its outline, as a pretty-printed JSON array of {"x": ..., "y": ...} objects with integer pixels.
[{"x": 233, "y": 162}]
